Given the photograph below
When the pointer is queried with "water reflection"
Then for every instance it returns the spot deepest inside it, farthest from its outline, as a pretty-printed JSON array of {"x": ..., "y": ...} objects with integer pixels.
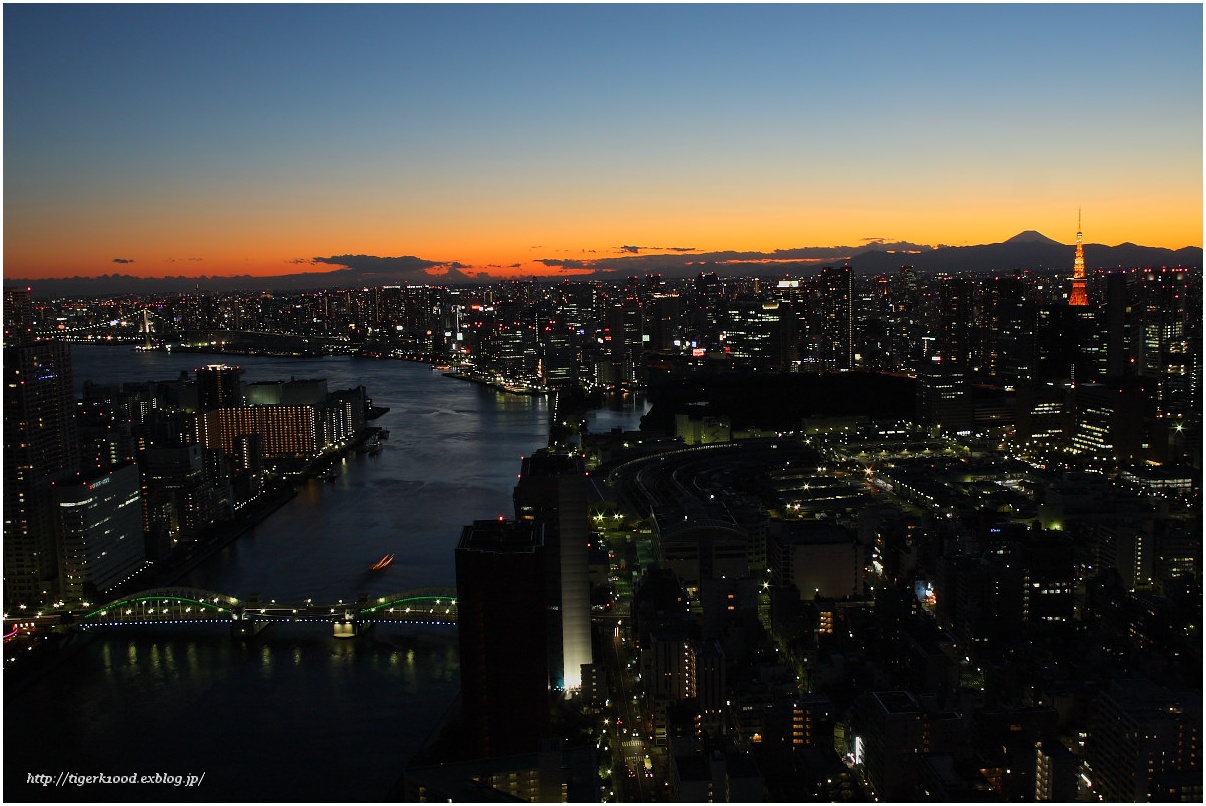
[{"x": 245, "y": 712}]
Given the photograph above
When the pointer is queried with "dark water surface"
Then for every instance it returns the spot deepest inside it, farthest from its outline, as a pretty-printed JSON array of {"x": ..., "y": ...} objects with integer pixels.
[{"x": 294, "y": 715}]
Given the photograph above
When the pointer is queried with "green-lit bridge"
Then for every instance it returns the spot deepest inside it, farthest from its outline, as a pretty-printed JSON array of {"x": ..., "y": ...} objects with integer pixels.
[{"x": 245, "y": 617}]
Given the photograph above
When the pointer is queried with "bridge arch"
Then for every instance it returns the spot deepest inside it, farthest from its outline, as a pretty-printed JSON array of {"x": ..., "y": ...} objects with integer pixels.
[
  {"x": 419, "y": 604},
  {"x": 164, "y": 604}
]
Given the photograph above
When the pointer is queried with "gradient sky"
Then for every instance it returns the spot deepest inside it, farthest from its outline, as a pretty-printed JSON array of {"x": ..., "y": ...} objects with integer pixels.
[{"x": 239, "y": 139}]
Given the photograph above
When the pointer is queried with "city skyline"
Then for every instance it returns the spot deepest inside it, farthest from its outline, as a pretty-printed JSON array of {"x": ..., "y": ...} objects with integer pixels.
[{"x": 491, "y": 141}]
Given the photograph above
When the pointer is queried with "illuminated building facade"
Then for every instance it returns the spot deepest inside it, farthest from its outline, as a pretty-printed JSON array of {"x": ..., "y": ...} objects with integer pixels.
[
  {"x": 100, "y": 536},
  {"x": 288, "y": 432},
  {"x": 41, "y": 444},
  {"x": 1109, "y": 421},
  {"x": 1167, "y": 340},
  {"x": 509, "y": 348},
  {"x": 554, "y": 491},
  {"x": 343, "y": 416},
  {"x": 1054, "y": 772},
  {"x": 557, "y": 364},
  {"x": 832, "y": 319},
  {"x": 758, "y": 334},
  {"x": 305, "y": 392}
]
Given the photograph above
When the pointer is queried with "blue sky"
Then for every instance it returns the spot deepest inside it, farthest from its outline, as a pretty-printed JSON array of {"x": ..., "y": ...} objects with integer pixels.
[{"x": 258, "y": 134}]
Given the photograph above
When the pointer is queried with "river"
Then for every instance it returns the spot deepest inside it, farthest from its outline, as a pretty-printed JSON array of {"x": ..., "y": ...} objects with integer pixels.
[{"x": 295, "y": 715}]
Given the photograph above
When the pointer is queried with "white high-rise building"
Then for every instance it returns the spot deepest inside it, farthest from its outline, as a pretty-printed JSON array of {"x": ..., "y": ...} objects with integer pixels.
[
  {"x": 99, "y": 530},
  {"x": 554, "y": 489}
]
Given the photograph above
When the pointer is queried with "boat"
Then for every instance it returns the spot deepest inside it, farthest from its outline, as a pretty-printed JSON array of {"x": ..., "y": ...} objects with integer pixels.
[
  {"x": 383, "y": 433},
  {"x": 373, "y": 444},
  {"x": 382, "y": 563}
]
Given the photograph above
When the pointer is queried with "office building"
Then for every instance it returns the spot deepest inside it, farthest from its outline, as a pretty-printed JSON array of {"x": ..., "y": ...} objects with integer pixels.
[
  {"x": 831, "y": 325},
  {"x": 820, "y": 560},
  {"x": 892, "y": 733},
  {"x": 1055, "y": 772},
  {"x": 1145, "y": 744},
  {"x": 554, "y": 491},
  {"x": 178, "y": 500},
  {"x": 500, "y": 586},
  {"x": 219, "y": 386},
  {"x": 100, "y": 537},
  {"x": 944, "y": 399},
  {"x": 1108, "y": 421},
  {"x": 41, "y": 444},
  {"x": 288, "y": 432}
]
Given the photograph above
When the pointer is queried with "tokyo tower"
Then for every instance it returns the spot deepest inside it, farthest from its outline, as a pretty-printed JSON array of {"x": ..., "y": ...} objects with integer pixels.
[{"x": 1079, "y": 296}]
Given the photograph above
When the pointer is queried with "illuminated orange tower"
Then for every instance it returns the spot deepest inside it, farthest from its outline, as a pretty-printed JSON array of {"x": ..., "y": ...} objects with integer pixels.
[{"x": 1079, "y": 296}]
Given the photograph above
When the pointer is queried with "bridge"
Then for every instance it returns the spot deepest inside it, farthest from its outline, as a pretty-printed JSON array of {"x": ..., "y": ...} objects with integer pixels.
[
  {"x": 150, "y": 330},
  {"x": 246, "y": 617}
]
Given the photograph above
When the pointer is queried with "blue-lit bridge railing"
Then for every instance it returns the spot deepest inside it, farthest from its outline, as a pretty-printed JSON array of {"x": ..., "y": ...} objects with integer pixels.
[{"x": 248, "y": 616}]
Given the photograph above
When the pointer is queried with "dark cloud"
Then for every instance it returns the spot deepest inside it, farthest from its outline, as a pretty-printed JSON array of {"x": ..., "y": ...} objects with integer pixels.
[
  {"x": 122, "y": 260},
  {"x": 884, "y": 245},
  {"x": 377, "y": 269},
  {"x": 565, "y": 263},
  {"x": 634, "y": 250},
  {"x": 301, "y": 261},
  {"x": 374, "y": 265}
]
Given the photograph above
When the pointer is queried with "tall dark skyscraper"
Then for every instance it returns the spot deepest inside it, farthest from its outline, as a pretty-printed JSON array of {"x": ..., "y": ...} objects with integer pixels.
[
  {"x": 943, "y": 398},
  {"x": 625, "y": 322},
  {"x": 500, "y": 576},
  {"x": 1167, "y": 341},
  {"x": 953, "y": 323},
  {"x": 553, "y": 490},
  {"x": 1007, "y": 343},
  {"x": 18, "y": 317},
  {"x": 1117, "y": 326},
  {"x": 218, "y": 386},
  {"x": 833, "y": 318},
  {"x": 41, "y": 445}
]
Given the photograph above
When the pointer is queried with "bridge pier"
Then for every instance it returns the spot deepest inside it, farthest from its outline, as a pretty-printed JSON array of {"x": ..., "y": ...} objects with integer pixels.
[
  {"x": 347, "y": 624},
  {"x": 245, "y": 625}
]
